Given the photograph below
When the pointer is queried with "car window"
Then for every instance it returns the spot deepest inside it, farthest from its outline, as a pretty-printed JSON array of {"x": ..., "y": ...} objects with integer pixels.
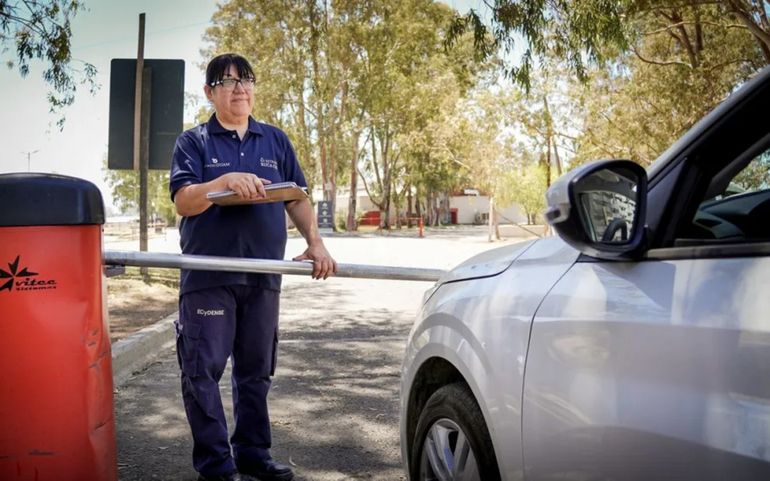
[{"x": 737, "y": 205}]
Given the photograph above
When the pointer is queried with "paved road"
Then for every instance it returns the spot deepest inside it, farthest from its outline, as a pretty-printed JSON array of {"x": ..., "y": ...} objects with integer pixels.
[{"x": 334, "y": 402}]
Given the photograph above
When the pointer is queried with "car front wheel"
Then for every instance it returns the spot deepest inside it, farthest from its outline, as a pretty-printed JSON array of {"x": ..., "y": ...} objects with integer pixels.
[{"x": 452, "y": 442}]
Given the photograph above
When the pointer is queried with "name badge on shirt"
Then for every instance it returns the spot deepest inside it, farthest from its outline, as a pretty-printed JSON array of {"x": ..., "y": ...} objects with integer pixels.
[
  {"x": 215, "y": 163},
  {"x": 269, "y": 163}
]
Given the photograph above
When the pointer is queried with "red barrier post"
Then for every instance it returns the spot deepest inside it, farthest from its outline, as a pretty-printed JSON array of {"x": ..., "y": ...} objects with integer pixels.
[{"x": 56, "y": 406}]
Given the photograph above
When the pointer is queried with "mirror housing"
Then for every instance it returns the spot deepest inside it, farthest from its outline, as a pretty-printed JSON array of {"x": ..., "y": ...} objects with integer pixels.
[{"x": 600, "y": 208}]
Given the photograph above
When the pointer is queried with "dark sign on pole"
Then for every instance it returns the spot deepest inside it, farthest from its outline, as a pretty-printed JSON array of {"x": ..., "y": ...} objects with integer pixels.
[
  {"x": 166, "y": 111},
  {"x": 325, "y": 214}
]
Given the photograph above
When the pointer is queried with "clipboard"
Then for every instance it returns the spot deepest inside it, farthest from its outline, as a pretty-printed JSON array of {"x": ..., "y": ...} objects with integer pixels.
[{"x": 278, "y": 192}]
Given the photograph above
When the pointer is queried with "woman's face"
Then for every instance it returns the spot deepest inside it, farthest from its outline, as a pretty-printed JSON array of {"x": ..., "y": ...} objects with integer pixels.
[{"x": 231, "y": 105}]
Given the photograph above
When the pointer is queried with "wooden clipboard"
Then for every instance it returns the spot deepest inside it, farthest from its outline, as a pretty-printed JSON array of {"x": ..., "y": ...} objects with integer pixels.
[{"x": 280, "y": 192}]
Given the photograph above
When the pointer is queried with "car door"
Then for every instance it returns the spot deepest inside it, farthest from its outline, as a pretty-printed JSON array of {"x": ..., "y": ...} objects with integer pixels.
[{"x": 659, "y": 368}]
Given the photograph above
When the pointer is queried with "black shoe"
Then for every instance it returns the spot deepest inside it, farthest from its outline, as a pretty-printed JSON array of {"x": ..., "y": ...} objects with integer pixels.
[
  {"x": 226, "y": 477},
  {"x": 267, "y": 470}
]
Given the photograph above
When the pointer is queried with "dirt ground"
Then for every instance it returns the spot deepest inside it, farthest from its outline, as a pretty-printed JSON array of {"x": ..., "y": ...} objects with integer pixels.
[{"x": 133, "y": 304}]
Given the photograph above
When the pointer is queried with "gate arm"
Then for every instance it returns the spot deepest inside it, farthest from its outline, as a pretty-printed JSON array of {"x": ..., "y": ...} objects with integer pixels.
[{"x": 266, "y": 266}]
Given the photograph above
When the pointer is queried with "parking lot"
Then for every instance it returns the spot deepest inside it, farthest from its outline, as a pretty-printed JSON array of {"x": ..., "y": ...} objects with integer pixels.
[{"x": 334, "y": 402}]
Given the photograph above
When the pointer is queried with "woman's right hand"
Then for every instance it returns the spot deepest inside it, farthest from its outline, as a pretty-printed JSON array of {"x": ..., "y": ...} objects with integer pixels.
[{"x": 246, "y": 185}]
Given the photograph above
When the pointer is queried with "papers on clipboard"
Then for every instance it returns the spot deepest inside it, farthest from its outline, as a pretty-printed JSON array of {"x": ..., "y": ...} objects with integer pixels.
[{"x": 278, "y": 192}]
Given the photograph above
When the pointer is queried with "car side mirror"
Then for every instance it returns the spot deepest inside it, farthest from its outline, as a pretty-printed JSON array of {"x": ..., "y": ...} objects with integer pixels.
[{"x": 599, "y": 208}]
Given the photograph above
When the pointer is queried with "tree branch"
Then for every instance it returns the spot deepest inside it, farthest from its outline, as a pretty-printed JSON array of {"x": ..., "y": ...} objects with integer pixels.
[
  {"x": 761, "y": 35},
  {"x": 658, "y": 8},
  {"x": 729, "y": 62},
  {"x": 686, "y": 42},
  {"x": 711, "y": 24},
  {"x": 366, "y": 187},
  {"x": 659, "y": 62},
  {"x": 376, "y": 165},
  {"x": 759, "y": 5},
  {"x": 27, "y": 23}
]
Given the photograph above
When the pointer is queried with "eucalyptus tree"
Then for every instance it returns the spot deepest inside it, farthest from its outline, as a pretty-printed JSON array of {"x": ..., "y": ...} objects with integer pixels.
[
  {"x": 41, "y": 30},
  {"x": 349, "y": 81},
  {"x": 125, "y": 184},
  {"x": 650, "y": 67},
  {"x": 437, "y": 147},
  {"x": 682, "y": 61},
  {"x": 588, "y": 32},
  {"x": 395, "y": 42},
  {"x": 275, "y": 36}
]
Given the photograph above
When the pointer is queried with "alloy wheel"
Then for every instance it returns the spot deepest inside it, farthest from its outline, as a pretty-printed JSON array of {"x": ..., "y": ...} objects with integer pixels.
[{"x": 447, "y": 454}]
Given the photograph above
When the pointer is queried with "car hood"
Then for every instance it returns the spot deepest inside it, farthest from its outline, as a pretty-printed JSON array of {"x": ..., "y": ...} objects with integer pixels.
[{"x": 488, "y": 263}]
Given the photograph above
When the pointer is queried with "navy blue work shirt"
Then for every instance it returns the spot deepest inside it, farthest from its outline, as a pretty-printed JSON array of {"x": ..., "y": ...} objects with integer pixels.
[{"x": 208, "y": 151}]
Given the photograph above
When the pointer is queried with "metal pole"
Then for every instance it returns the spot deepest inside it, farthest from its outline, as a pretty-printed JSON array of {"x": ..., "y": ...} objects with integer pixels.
[
  {"x": 141, "y": 138},
  {"x": 138, "y": 94},
  {"x": 29, "y": 156},
  {"x": 144, "y": 164},
  {"x": 267, "y": 266}
]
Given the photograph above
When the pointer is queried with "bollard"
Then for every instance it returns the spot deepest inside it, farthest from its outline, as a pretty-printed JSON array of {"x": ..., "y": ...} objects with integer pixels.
[
  {"x": 421, "y": 226},
  {"x": 56, "y": 408}
]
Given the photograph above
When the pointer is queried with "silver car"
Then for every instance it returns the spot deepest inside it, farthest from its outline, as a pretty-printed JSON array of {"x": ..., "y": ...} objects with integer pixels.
[{"x": 635, "y": 345}]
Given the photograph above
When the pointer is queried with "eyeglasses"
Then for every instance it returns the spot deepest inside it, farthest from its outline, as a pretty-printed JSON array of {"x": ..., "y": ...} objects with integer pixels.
[{"x": 229, "y": 83}]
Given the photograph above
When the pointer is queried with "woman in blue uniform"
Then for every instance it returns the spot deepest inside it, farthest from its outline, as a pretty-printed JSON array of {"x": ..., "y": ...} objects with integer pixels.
[{"x": 223, "y": 314}]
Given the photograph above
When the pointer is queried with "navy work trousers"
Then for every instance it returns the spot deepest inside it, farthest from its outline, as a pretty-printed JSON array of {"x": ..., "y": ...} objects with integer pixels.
[{"x": 214, "y": 324}]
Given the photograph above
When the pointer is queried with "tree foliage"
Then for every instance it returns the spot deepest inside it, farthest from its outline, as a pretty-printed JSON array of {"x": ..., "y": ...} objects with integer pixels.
[
  {"x": 402, "y": 97},
  {"x": 756, "y": 175},
  {"x": 41, "y": 30},
  {"x": 524, "y": 186},
  {"x": 353, "y": 84},
  {"x": 586, "y": 32},
  {"x": 125, "y": 192},
  {"x": 576, "y": 31},
  {"x": 684, "y": 60}
]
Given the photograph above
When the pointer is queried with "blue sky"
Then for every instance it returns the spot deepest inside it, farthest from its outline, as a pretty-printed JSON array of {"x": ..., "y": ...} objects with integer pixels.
[{"x": 107, "y": 29}]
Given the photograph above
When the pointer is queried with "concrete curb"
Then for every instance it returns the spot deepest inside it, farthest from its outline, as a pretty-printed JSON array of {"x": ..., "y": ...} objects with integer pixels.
[{"x": 135, "y": 352}]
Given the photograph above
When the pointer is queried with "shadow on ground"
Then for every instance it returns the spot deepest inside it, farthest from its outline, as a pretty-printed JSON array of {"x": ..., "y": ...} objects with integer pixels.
[{"x": 334, "y": 402}]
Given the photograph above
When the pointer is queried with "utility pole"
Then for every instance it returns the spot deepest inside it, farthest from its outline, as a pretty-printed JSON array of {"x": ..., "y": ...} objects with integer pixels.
[
  {"x": 29, "y": 154},
  {"x": 142, "y": 138}
]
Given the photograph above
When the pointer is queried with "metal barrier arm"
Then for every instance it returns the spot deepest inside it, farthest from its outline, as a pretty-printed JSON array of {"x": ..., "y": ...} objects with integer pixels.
[{"x": 266, "y": 266}]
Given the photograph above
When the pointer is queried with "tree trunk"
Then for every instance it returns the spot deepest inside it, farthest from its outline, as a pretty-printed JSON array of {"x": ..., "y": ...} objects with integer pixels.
[
  {"x": 351, "y": 223},
  {"x": 307, "y": 145},
  {"x": 436, "y": 209},
  {"x": 429, "y": 208},
  {"x": 418, "y": 204},
  {"x": 332, "y": 174},
  {"x": 397, "y": 205},
  {"x": 386, "y": 181},
  {"x": 491, "y": 220},
  {"x": 321, "y": 129},
  {"x": 549, "y": 142},
  {"x": 409, "y": 213},
  {"x": 444, "y": 212}
]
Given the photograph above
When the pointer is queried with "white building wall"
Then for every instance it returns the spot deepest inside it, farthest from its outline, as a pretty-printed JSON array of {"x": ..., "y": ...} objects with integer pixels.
[{"x": 468, "y": 207}]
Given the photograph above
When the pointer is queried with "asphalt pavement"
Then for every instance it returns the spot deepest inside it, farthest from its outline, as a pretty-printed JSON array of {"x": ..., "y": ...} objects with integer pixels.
[{"x": 334, "y": 401}]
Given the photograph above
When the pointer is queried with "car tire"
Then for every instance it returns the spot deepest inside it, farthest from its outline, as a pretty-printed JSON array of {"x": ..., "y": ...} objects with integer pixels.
[{"x": 451, "y": 442}]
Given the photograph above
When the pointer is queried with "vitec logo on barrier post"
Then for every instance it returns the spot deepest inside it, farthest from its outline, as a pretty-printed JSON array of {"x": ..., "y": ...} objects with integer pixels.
[{"x": 23, "y": 280}]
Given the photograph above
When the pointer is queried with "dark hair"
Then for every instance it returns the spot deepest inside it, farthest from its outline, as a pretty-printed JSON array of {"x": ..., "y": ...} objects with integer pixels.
[{"x": 218, "y": 66}]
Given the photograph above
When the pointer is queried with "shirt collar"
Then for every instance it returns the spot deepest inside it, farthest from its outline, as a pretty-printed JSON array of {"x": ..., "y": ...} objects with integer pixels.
[{"x": 215, "y": 127}]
